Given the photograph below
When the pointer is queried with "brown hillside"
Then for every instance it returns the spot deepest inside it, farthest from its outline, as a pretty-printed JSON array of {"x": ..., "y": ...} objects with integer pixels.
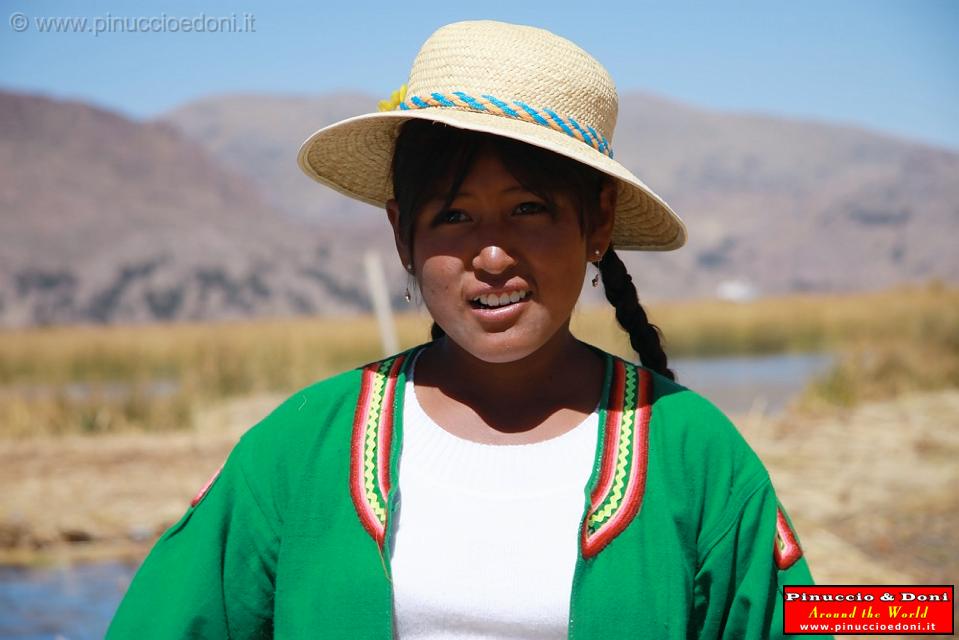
[{"x": 103, "y": 219}]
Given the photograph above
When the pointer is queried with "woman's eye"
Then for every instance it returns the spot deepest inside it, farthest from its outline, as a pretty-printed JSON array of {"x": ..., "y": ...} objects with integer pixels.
[
  {"x": 451, "y": 216},
  {"x": 531, "y": 207}
]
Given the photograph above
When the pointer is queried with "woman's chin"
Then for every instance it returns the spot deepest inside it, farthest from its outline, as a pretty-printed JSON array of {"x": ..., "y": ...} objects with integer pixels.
[{"x": 501, "y": 347}]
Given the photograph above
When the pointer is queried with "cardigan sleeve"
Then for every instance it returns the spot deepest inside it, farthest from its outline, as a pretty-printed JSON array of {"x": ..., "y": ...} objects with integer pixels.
[
  {"x": 211, "y": 575},
  {"x": 742, "y": 569}
]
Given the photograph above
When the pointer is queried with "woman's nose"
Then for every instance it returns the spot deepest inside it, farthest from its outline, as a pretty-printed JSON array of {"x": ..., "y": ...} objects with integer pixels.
[{"x": 493, "y": 259}]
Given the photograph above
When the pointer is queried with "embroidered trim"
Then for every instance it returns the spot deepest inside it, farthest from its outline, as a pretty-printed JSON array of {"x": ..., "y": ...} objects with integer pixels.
[
  {"x": 615, "y": 498},
  {"x": 786, "y": 551},
  {"x": 370, "y": 479},
  {"x": 618, "y": 493},
  {"x": 206, "y": 487},
  {"x": 488, "y": 104}
]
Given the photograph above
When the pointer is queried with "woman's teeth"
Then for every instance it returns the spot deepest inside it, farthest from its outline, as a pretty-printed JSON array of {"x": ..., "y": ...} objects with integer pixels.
[{"x": 494, "y": 300}]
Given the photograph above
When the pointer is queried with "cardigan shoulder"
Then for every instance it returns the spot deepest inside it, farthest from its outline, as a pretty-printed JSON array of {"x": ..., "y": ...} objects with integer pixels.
[
  {"x": 300, "y": 416},
  {"x": 310, "y": 413},
  {"x": 698, "y": 426},
  {"x": 304, "y": 443},
  {"x": 296, "y": 439},
  {"x": 702, "y": 457}
]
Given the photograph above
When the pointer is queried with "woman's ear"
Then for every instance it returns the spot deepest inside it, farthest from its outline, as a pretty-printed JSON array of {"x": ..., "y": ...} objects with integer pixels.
[
  {"x": 601, "y": 231},
  {"x": 393, "y": 213}
]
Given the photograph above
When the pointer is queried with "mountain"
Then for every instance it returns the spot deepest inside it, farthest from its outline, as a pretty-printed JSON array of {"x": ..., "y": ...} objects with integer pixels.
[
  {"x": 776, "y": 204},
  {"x": 103, "y": 219},
  {"x": 203, "y": 214},
  {"x": 258, "y": 137},
  {"x": 795, "y": 205}
]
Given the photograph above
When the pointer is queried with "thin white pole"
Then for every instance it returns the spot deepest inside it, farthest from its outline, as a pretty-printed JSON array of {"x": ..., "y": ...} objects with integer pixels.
[{"x": 381, "y": 302}]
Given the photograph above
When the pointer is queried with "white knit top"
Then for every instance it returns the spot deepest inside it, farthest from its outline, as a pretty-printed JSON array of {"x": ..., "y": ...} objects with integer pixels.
[{"x": 486, "y": 539}]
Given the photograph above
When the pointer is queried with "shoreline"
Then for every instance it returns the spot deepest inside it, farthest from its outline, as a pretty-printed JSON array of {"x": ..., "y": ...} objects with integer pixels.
[{"x": 110, "y": 496}]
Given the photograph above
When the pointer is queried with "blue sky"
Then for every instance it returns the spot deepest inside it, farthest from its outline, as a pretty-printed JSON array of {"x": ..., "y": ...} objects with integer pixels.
[{"x": 884, "y": 65}]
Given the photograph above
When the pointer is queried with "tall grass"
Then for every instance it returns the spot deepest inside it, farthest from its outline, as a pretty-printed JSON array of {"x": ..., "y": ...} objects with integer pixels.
[
  {"x": 98, "y": 379},
  {"x": 797, "y": 323},
  {"x": 104, "y": 379},
  {"x": 922, "y": 355}
]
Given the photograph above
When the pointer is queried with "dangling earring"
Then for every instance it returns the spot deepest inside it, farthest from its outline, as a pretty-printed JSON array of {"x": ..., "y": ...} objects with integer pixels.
[
  {"x": 408, "y": 296},
  {"x": 596, "y": 281},
  {"x": 596, "y": 253}
]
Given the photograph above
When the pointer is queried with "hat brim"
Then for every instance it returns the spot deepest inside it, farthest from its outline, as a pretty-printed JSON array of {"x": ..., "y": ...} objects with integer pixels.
[{"x": 354, "y": 156}]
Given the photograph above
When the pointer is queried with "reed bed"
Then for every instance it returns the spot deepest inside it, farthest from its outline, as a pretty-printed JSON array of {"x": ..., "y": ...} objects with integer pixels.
[
  {"x": 797, "y": 323},
  {"x": 67, "y": 380},
  {"x": 107, "y": 379}
]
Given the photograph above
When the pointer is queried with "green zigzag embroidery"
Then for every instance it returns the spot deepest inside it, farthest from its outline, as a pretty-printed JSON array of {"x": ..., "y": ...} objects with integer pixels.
[
  {"x": 372, "y": 439},
  {"x": 624, "y": 455}
]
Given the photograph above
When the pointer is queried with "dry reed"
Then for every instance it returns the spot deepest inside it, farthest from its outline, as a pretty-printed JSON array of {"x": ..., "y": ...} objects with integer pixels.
[{"x": 153, "y": 378}]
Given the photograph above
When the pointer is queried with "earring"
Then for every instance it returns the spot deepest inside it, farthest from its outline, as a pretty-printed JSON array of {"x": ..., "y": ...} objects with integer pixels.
[
  {"x": 409, "y": 269},
  {"x": 597, "y": 253}
]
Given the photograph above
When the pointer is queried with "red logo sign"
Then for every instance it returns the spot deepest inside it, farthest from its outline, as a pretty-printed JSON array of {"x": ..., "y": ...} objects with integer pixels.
[{"x": 869, "y": 610}]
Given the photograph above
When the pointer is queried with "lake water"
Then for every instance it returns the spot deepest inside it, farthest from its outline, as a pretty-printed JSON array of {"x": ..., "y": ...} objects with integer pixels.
[
  {"x": 742, "y": 384},
  {"x": 68, "y": 603},
  {"x": 77, "y": 603}
]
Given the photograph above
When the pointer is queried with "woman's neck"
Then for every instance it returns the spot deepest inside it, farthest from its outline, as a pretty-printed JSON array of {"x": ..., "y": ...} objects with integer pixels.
[{"x": 562, "y": 377}]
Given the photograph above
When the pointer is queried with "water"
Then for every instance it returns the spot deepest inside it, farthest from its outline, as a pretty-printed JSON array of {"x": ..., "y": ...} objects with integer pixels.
[
  {"x": 77, "y": 603},
  {"x": 750, "y": 383},
  {"x": 67, "y": 603}
]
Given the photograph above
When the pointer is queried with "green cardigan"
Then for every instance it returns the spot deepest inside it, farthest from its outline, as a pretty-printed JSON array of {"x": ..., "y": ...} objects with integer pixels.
[{"x": 682, "y": 535}]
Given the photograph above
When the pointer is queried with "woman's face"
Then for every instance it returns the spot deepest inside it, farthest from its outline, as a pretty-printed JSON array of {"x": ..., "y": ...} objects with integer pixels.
[{"x": 500, "y": 270}]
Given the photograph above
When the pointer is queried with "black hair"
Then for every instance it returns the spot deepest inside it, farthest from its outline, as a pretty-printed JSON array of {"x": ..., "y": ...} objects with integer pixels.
[{"x": 432, "y": 159}]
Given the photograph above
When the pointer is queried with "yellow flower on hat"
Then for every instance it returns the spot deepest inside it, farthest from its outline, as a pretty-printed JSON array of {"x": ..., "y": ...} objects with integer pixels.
[{"x": 395, "y": 99}]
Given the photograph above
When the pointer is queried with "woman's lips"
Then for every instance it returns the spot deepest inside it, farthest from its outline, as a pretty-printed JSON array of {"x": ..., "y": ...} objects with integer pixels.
[
  {"x": 506, "y": 312},
  {"x": 496, "y": 300}
]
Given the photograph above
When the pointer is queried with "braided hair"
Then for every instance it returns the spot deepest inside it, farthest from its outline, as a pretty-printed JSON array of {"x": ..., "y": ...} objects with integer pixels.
[
  {"x": 431, "y": 158},
  {"x": 644, "y": 336}
]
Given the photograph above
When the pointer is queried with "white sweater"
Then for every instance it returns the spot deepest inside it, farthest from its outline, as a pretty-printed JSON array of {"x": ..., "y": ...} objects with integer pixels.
[{"x": 486, "y": 539}]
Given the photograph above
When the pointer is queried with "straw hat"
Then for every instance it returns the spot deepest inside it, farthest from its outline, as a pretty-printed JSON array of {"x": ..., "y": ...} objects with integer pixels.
[{"x": 510, "y": 80}]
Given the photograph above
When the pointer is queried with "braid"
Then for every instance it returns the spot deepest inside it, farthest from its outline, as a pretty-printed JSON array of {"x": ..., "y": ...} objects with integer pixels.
[{"x": 643, "y": 335}]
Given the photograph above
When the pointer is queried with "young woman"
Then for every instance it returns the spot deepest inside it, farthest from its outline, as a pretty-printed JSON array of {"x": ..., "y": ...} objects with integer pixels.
[{"x": 505, "y": 480}]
